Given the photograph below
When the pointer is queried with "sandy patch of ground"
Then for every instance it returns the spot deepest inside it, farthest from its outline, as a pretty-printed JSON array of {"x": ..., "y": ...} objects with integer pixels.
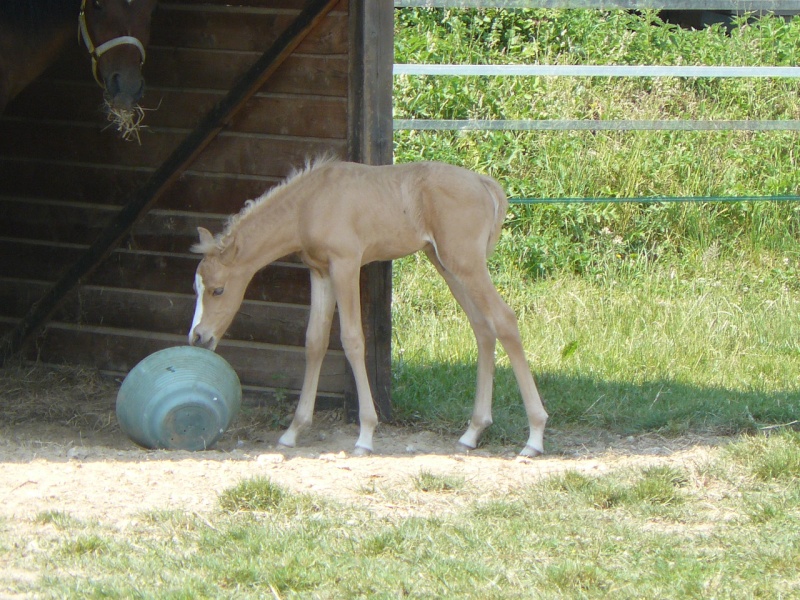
[
  {"x": 62, "y": 450},
  {"x": 103, "y": 475}
]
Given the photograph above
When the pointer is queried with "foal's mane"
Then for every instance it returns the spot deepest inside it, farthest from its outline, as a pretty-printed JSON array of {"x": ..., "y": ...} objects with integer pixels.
[{"x": 221, "y": 240}]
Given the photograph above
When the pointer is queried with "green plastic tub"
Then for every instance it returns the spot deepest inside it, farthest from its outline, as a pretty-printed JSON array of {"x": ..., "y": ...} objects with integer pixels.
[{"x": 180, "y": 398}]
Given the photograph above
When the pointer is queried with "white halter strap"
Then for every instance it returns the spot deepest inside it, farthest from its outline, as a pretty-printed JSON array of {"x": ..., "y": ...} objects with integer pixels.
[{"x": 98, "y": 51}]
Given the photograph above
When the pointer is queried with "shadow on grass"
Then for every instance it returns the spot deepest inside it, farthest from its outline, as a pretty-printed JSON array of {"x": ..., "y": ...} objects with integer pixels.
[{"x": 440, "y": 396}]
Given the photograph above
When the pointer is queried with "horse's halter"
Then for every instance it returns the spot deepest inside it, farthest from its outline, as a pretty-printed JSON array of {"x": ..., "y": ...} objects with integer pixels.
[{"x": 97, "y": 51}]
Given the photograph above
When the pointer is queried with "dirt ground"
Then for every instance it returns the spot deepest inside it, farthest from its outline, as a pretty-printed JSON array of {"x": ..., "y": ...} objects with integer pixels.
[
  {"x": 62, "y": 450},
  {"x": 104, "y": 476}
]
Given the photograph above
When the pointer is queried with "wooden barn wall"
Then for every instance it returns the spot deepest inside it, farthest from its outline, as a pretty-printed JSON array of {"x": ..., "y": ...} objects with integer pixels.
[{"x": 62, "y": 176}]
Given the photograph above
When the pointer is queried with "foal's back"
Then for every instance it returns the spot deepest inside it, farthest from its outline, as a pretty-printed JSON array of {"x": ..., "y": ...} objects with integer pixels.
[{"x": 385, "y": 212}]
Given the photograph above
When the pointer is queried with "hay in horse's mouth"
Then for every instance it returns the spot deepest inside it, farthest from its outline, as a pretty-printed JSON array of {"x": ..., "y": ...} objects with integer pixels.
[{"x": 127, "y": 121}]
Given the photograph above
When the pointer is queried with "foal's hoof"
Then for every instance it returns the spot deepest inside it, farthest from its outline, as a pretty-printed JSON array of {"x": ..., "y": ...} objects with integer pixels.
[
  {"x": 530, "y": 452},
  {"x": 361, "y": 451},
  {"x": 462, "y": 448}
]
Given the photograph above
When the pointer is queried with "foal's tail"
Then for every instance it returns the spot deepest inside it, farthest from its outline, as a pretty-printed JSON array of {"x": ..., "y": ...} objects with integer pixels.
[{"x": 498, "y": 196}]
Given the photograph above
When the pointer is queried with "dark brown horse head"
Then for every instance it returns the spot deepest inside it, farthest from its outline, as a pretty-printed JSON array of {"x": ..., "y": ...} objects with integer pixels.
[{"x": 116, "y": 33}]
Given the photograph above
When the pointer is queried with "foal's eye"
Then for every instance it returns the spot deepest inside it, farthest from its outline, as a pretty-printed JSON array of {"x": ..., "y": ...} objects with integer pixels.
[
  {"x": 218, "y": 291},
  {"x": 97, "y": 4}
]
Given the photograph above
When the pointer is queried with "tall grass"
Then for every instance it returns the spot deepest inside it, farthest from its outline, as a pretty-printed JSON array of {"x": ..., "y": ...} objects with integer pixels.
[{"x": 637, "y": 316}]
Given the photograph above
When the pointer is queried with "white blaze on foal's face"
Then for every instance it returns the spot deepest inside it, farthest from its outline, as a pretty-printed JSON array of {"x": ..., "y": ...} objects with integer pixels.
[
  {"x": 199, "y": 288},
  {"x": 219, "y": 295}
]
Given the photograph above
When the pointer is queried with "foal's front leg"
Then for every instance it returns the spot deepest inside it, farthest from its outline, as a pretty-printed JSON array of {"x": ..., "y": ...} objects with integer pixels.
[
  {"x": 346, "y": 275},
  {"x": 317, "y": 335}
]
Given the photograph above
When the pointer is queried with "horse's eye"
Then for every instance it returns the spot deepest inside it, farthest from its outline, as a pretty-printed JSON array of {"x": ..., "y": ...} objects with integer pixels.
[
  {"x": 97, "y": 4},
  {"x": 218, "y": 291}
]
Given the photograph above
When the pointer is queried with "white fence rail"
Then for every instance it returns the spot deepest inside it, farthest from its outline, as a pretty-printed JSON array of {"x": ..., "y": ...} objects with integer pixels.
[{"x": 595, "y": 71}]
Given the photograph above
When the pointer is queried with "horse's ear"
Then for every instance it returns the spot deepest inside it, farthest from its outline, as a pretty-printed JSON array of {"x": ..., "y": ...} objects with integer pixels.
[
  {"x": 230, "y": 252},
  {"x": 206, "y": 236},
  {"x": 206, "y": 242}
]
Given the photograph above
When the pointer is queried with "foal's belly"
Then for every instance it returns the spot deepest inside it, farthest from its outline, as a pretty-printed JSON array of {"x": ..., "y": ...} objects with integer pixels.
[{"x": 391, "y": 251}]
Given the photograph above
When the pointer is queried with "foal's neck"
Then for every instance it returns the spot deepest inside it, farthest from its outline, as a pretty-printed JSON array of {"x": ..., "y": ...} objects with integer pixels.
[{"x": 268, "y": 233}]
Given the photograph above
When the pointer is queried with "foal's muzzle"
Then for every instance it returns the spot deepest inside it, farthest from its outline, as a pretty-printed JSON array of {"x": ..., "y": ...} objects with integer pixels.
[{"x": 198, "y": 339}]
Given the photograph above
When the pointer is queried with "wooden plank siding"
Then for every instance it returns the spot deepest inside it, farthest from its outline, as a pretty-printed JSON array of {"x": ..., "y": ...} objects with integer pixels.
[{"x": 63, "y": 177}]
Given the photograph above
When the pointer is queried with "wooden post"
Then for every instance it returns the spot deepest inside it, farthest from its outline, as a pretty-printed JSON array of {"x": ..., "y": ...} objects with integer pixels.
[{"x": 370, "y": 142}]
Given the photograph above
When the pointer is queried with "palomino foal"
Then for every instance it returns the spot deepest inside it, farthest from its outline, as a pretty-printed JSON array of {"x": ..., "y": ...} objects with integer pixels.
[{"x": 339, "y": 216}]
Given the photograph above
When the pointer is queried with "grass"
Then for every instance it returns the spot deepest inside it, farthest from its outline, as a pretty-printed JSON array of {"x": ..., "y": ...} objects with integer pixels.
[
  {"x": 770, "y": 458},
  {"x": 672, "y": 351},
  {"x": 263, "y": 496},
  {"x": 722, "y": 528},
  {"x": 432, "y": 482},
  {"x": 654, "y": 486}
]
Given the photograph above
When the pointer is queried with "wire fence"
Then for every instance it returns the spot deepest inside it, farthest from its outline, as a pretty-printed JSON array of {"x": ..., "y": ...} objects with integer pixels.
[{"x": 538, "y": 70}]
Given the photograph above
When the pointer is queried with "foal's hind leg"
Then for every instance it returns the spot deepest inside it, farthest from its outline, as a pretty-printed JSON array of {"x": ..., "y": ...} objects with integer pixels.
[
  {"x": 486, "y": 341},
  {"x": 504, "y": 322},
  {"x": 476, "y": 284}
]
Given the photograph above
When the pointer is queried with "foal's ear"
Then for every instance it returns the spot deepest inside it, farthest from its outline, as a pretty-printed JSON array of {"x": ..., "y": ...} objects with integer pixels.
[
  {"x": 206, "y": 243},
  {"x": 206, "y": 236},
  {"x": 230, "y": 252}
]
